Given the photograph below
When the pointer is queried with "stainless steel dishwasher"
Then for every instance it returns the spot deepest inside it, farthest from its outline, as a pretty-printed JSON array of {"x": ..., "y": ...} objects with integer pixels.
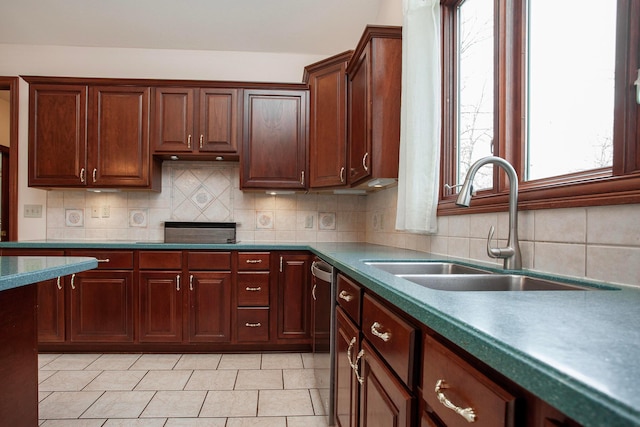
[{"x": 322, "y": 327}]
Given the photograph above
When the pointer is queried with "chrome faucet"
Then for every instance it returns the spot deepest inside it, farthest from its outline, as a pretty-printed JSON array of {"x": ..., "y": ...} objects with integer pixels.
[{"x": 510, "y": 254}]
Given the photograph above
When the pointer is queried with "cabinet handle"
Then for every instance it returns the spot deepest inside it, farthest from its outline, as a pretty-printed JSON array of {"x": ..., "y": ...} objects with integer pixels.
[
  {"x": 355, "y": 367},
  {"x": 313, "y": 292},
  {"x": 201, "y": 140},
  {"x": 466, "y": 413},
  {"x": 342, "y": 174},
  {"x": 302, "y": 178},
  {"x": 253, "y": 261},
  {"x": 93, "y": 174},
  {"x": 349, "y": 349},
  {"x": 104, "y": 260},
  {"x": 83, "y": 174},
  {"x": 189, "y": 141},
  {"x": 386, "y": 336},
  {"x": 345, "y": 296},
  {"x": 58, "y": 284},
  {"x": 280, "y": 264},
  {"x": 191, "y": 282},
  {"x": 364, "y": 162},
  {"x": 178, "y": 282},
  {"x": 73, "y": 281},
  {"x": 250, "y": 289},
  {"x": 253, "y": 325}
]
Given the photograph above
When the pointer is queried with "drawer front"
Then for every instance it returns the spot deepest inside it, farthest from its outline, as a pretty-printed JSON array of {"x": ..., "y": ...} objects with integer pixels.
[
  {"x": 349, "y": 296},
  {"x": 209, "y": 260},
  {"x": 253, "y": 260},
  {"x": 107, "y": 260},
  {"x": 160, "y": 260},
  {"x": 392, "y": 336},
  {"x": 253, "y": 324},
  {"x": 465, "y": 387},
  {"x": 253, "y": 289}
]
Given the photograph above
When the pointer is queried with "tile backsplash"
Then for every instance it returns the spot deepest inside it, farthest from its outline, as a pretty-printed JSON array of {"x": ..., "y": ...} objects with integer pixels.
[{"x": 204, "y": 191}]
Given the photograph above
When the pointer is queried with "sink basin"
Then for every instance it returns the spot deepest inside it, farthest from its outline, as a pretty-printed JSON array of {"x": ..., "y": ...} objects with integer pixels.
[
  {"x": 490, "y": 282},
  {"x": 419, "y": 267}
]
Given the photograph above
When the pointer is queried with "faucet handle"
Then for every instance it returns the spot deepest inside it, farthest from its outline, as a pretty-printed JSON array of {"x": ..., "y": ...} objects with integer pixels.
[{"x": 497, "y": 252}]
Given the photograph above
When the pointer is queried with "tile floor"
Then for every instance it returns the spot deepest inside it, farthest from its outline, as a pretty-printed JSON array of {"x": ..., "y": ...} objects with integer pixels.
[{"x": 228, "y": 390}]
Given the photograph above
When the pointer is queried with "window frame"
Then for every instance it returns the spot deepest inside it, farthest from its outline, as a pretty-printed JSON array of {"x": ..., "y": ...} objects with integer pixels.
[{"x": 619, "y": 184}]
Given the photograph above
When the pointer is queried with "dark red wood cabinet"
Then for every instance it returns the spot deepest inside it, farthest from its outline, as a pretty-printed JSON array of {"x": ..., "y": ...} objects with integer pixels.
[{"x": 294, "y": 296}]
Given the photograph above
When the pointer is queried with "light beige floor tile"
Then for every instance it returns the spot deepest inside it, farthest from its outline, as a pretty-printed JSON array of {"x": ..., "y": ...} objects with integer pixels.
[
  {"x": 240, "y": 361},
  {"x": 257, "y": 421},
  {"x": 43, "y": 375},
  {"x": 164, "y": 380},
  {"x": 70, "y": 362},
  {"x": 114, "y": 362},
  {"x": 234, "y": 403},
  {"x": 198, "y": 361},
  {"x": 316, "y": 400},
  {"x": 44, "y": 358},
  {"x": 175, "y": 404},
  {"x": 298, "y": 378},
  {"x": 197, "y": 422},
  {"x": 308, "y": 360},
  {"x": 259, "y": 379},
  {"x": 119, "y": 404},
  {"x": 149, "y": 422},
  {"x": 116, "y": 380},
  {"x": 73, "y": 423},
  {"x": 284, "y": 403},
  {"x": 307, "y": 421},
  {"x": 66, "y": 404},
  {"x": 148, "y": 362},
  {"x": 68, "y": 380},
  {"x": 43, "y": 395},
  {"x": 212, "y": 380},
  {"x": 281, "y": 360}
]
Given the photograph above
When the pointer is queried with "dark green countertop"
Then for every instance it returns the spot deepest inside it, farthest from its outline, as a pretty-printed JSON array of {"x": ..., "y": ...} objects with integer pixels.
[
  {"x": 576, "y": 350},
  {"x": 25, "y": 270}
]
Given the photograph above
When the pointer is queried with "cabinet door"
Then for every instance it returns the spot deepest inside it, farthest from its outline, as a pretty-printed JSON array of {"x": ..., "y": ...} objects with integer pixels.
[
  {"x": 347, "y": 345},
  {"x": 360, "y": 119},
  {"x": 101, "y": 306},
  {"x": 327, "y": 127},
  {"x": 274, "y": 139},
  {"x": 119, "y": 137},
  {"x": 294, "y": 303},
  {"x": 51, "y": 311},
  {"x": 384, "y": 401},
  {"x": 218, "y": 121},
  {"x": 57, "y": 135},
  {"x": 160, "y": 306},
  {"x": 173, "y": 120},
  {"x": 209, "y": 307}
]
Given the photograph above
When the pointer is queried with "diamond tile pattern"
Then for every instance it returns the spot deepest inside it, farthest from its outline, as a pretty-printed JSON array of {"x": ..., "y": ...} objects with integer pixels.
[
  {"x": 220, "y": 390},
  {"x": 202, "y": 193}
]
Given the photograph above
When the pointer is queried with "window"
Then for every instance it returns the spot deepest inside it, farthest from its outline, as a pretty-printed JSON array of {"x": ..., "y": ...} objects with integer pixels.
[{"x": 549, "y": 87}]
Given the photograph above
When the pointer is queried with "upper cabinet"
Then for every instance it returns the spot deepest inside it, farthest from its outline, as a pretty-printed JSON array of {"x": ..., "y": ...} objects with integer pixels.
[
  {"x": 328, "y": 121},
  {"x": 196, "y": 122},
  {"x": 90, "y": 136},
  {"x": 274, "y": 139},
  {"x": 373, "y": 117}
]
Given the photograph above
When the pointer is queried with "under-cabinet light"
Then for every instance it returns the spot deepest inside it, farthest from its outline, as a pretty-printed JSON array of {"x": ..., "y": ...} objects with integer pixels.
[
  {"x": 381, "y": 182},
  {"x": 279, "y": 192}
]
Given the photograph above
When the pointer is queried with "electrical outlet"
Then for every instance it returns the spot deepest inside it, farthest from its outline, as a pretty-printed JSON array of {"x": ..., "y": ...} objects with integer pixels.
[
  {"x": 95, "y": 212},
  {"x": 33, "y": 211},
  {"x": 106, "y": 211},
  {"x": 308, "y": 221}
]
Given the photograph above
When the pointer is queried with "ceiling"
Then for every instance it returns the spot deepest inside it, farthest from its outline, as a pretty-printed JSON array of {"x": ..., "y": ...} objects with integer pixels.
[{"x": 319, "y": 27}]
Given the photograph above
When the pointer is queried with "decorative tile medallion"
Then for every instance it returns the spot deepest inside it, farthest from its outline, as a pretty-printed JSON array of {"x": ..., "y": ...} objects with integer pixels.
[
  {"x": 264, "y": 220},
  {"x": 327, "y": 220},
  {"x": 74, "y": 217},
  {"x": 138, "y": 217}
]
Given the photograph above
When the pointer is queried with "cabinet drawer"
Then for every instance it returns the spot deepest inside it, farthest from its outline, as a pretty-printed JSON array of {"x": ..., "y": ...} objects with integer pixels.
[
  {"x": 253, "y": 260},
  {"x": 209, "y": 260},
  {"x": 253, "y": 289},
  {"x": 392, "y": 336},
  {"x": 160, "y": 260},
  {"x": 253, "y": 324},
  {"x": 107, "y": 260},
  {"x": 349, "y": 295},
  {"x": 465, "y": 387}
]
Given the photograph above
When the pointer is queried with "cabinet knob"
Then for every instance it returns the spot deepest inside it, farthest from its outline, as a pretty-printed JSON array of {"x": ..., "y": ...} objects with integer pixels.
[{"x": 466, "y": 413}]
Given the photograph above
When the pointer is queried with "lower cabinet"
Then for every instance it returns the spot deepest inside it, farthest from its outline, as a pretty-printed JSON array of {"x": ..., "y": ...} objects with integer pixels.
[
  {"x": 294, "y": 297},
  {"x": 347, "y": 389},
  {"x": 160, "y": 310}
]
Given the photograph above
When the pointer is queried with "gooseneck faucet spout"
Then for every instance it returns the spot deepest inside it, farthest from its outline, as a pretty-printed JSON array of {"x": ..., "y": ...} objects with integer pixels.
[{"x": 510, "y": 254}]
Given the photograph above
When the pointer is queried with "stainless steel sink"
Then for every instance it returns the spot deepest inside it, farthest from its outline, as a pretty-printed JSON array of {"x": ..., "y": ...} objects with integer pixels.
[
  {"x": 490, "y": 282},
  {"x": 420, "y": 267}
]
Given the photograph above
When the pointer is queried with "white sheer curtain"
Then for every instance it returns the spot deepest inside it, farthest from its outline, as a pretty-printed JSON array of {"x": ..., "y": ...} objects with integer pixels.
[{"x": 420, "y": 118}]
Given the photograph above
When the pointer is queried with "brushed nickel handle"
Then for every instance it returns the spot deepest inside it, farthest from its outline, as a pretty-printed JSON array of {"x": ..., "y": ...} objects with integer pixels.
[
  {"x": 58, "y": 284},
  {"x": 189, "y": 141},
  {"x": 83, "y": 175},
  {"x": 191, "y": 282},
  {"x": 93, "y": 174},
  {"x": 281, "y": 260},
  {"x": 466, "y": 413},
  {"x": 342, "y": 170},
  {"x": 253, "y": 325},
  {"x": 178, "y": 282},
  {"x": 73, "y": 281},
  {"x": 254, "y": 261},
  {"x": 302, "y": 178},
  {"x": 104, "y": 260},
  {"x": 375, "y": 330},
  {"x": 364, "y": 162},
  {"x": 355, "y": 367},
  {"x": 201, "y": 140},
  {"x": 313, "y": 292},
  {"x": 250, "y": 289},
  {"x": 345, "y": 296}
]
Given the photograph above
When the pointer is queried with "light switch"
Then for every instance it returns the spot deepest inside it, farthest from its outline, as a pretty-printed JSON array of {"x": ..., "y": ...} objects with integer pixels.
[{"x": 33, "y": 211}]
